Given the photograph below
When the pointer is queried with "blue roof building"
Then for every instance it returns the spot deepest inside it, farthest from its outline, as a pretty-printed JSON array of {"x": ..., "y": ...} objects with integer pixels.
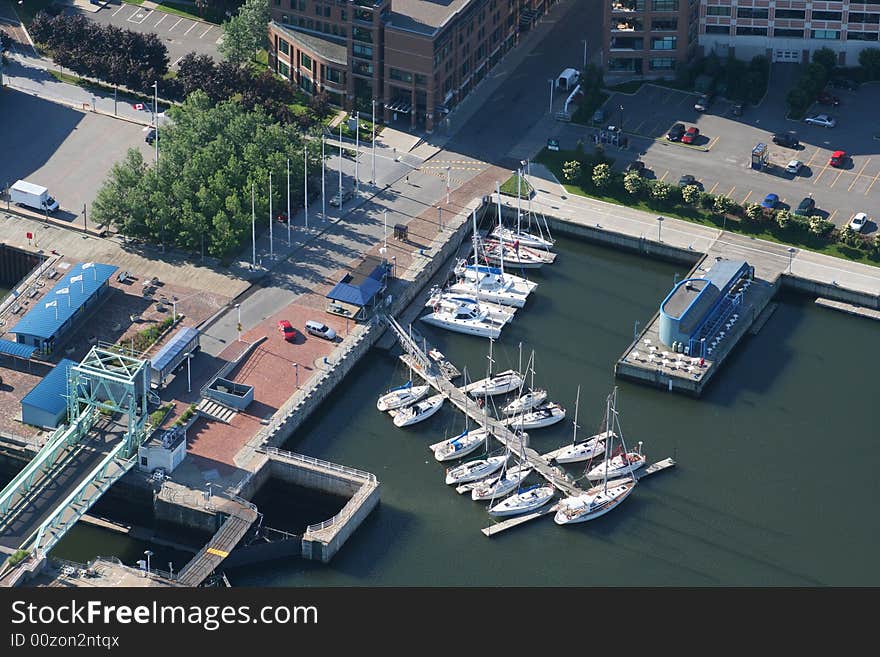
[
  {"x": 359, "y": 289},
  {"x": 47, "y": 321},
  {"x": 173, "y": 353},
  {"x": 46, "y": 405}
]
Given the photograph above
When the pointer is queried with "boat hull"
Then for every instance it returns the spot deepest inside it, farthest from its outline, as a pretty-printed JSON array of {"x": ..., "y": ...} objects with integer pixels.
[
  {"x": 480, "y": 330},
  {"x": 501, "y": 486},
  {"x": 405, "y": 418},
  {"x": 599, "y": 471},
  {"x": 395, "y": 399},
  {"x": 580, "y": 452},
  {"x": 464, "y": 475},
  {"x": 563, "y": 518},
  {"x": 500, "y": 297},
  {"x": 466, "y": 444},
  {"x": 520, "y": 504},
  {"x": 526, "y": 402}
]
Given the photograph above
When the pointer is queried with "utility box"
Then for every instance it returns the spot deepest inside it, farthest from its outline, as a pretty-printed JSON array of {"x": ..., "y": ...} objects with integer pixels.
[{"x": 759, "y": 156}]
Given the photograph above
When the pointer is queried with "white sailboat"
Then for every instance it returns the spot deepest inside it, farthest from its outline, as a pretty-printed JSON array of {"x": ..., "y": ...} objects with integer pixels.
[
  {"x": 401, "y": 396},
  {"x": 621, "y": 464},
  {"x": 499, "y": 384},
  {"x": 600, "y": 499},
  {"x": 473, "y": 470},
  {"x": 495, "y": 311},
  {"x": 544, "y": 415},
  {"x": 582, "y": 451},
  {"x": 516, "y": 255},
  {"x": 528, "y": 500},
  {"x": 522, "y": 236},
  {"x": 403, "y": 417},
  {"x": 497, "y": 486},
  {"x": 465, "y": 318},
  {"x": 461, "y": 445}
]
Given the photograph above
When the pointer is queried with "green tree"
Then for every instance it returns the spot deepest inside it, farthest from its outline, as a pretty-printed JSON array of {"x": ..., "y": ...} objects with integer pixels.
[
  {"x": 783, "y": 219},
  {"x": 633, "y": 183},
  {"x": 690, "y": 194},
  {"x": 869, "y": 60},
  {"x": 821, "y": 227},
  {"x": 571, "y": 171},
  {"x": 602, "y": 176},
  {"x": 797, "y": 100},
  {"x": 707, "y": 200},
  {"x": 245, "y": 33},
  {"x": 661, "y": 191},
  {"x": 826, "y": 58},
  {"x": 754, "y": 212},
  {"x": 723, "y": 205}
]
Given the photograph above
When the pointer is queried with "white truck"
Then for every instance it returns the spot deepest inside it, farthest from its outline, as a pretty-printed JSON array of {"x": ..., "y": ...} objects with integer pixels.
[{"x": 33, "y": 196}]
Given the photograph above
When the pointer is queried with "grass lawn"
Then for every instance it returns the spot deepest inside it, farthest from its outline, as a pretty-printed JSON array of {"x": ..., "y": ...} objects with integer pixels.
[
  {"x": 616, "y": 194},
  {"x": 509, "y": 187},
  {"x": 190, "y": 11},
  {"x": 133, "y": 2}
]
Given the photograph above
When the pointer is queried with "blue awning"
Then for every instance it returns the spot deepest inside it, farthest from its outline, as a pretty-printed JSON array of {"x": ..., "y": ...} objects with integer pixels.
[
  {"x": 16, "y": 349},
  {"x": 181, "y": 341},
  {"x": 357, "y": 295}
]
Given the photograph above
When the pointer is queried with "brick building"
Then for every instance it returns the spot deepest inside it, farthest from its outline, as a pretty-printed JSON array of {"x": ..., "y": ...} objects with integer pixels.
[{"x": 416, "y": 58}]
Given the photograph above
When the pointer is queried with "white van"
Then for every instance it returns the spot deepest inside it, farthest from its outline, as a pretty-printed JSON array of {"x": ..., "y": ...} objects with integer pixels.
[
  {"x": 320, "y": 330},
  {"x": 567, "y": 80}
]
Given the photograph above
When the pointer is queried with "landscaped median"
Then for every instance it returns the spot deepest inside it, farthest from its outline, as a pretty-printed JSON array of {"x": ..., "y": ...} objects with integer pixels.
[
  {"x": 591, "y": 175},
  {"x": 509, "y": 187}
]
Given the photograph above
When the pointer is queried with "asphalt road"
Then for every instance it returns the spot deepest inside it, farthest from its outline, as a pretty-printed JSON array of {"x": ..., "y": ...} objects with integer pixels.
[{"x": 180, "y": 35}]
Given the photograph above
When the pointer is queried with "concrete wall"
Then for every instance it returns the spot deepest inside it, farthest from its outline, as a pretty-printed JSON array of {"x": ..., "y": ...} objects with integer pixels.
[
  {"x": 832, "y": 292},
  {"x": 317, "y": 547},
  {"x": 313, "y": 477},
  {"x": 175, "y": 512}
]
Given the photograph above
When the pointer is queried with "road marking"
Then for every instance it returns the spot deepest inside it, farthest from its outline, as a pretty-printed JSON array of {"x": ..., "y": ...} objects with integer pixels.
[
  {"x": 836, "y": 179},
  {"x": 175, "y": 25},
  {"x": 121, "y": 7},
  {"x": 730, "y": 193},
  {"x": 831, "y": 216},
  {"x": 712, "y": 191},
  {"x": 820, "y": 174},
  {"x": 190, "y": 29},
  {"x": 746, "y": 198},
  {"x": 206, "y": 31},
  {"x": 858, "y": 175},
  {"x": 872, "y": 183},
  {"x": 636, "y": 129},
  {"x": 176, "y": 61},
  {"x": 810, "y": 161},
  {"x": 663, "y": 177},
  {"x": 143, "y": 16},
  {"x": 219, "y": 40},
  {"x": 713, "y": 142},
  {"x": 164, "y": 16}
]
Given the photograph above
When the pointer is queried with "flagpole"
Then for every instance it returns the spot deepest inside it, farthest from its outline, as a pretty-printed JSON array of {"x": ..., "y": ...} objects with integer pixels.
[
  {"x": 323, "y": 166},
  {"x": 306, "y": 183},
  {"x": 288, "y": 203},
  {"x": 271, "y": 247},
  {"x": 253, "y": 230}
]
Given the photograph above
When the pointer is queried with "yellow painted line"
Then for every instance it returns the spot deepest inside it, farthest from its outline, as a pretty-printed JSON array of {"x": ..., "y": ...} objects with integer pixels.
[
  {"x": 712, "y": 191},
  {"x": 820, "y": 173},
  {"x": 836, "y": 179},
  {"x": 746, "y": 198},
  {"x": 831, "y": 216},
  {"x": 712, "y": 143},
  {"x": 636, "y": 129},
  {"x": 663, "y": 177},
  {"x": 858, "y": 175},
  {"x": 730, "y": 193},
  {"x": 219, "y": 553},
  {"x": 813, "y": 156},
  {"x": 873, "y": 182}
]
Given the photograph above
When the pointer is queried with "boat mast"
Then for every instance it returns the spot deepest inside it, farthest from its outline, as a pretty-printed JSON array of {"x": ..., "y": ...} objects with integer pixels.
[
  {"x": 519, "y": 367},
  {"x": 577, "y": 400},
  {"x": 608, "y": 411},
  {"x": 518, "y": 179},
  {"x": 500, "y": 240}
]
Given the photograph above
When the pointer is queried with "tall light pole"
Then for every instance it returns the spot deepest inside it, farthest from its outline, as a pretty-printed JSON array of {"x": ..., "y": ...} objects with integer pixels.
[
  {"x": 373, "y": 142},
  {"x": 357, "y": 151},
  {"x": 384, "y": 232},
  {"x": 323, "y": 197},
  {"x": 156, "y": 117},
  {"x": 238, "y": 308},
  {"x": 306, "y": 183},
  {"x": 149, "y": 554},
  {"x": 585, "y": 53},
  {"x": 296, "y": 373},
  {"x": 551, "y": 96},
  {"x": 447, "y": 183},
  {"x": 791, "y": 251},
  {"x": 253, "y": 230},
  {"x": 188, "y": 375},
  {"x": 659, "y": 226},
  {"x": 340, "y": 168},
  {"x": 288, "y": 203},
  {"x": 271, "y": 246}
]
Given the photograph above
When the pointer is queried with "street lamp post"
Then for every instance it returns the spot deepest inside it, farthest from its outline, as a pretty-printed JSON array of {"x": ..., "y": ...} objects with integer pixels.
[
  {"x": 620, "y": 125},
  {"x": 238, "y": 308},
  {"x": 340, "y": 168},
  {"x": 585, "y": 53},
  {"x": 659, "y": 226},
  {"x": 253, "y": 230},
  {"x": 551, "y": 96},
  {"x": 447, "y": 183},
  {"x": 373, "y": 142},
  {"x": 296, "y": 373},
  {"x": 323, "y": 199},
  {"x": 306, "y": 183},
  {"x": 271, "y": 245},
  {"x": 440, "y": 217},
  {"x": 791, "y": 251},
  {"x": 149, "y": 554},
  {"x": 357, "y": 151},
  {"x": 188, "y": 374},
  {"x": 288, "y": 204}
]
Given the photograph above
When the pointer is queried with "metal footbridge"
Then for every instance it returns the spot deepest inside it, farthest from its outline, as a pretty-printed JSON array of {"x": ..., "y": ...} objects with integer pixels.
[{"x": 107, "y": 412}]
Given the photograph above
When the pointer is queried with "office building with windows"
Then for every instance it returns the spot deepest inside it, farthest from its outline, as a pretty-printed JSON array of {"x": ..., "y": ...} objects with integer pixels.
[{"x": 415, "y": 58}]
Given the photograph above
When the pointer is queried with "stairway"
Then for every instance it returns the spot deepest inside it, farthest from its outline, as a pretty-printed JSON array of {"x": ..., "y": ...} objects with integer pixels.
[
  {"x": 216, "y": 411},
  {"x": 526, "y": 18}
]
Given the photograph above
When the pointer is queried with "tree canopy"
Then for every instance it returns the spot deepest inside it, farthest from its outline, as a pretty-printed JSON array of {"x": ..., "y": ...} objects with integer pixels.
[{"x": 246, "y": 32}]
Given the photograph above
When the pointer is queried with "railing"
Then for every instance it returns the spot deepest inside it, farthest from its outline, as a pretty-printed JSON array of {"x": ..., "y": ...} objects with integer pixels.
[
  {"x": 228, "y": 367},
  {"x": 310, "y": 460},
  {"x": 347, "y": 511}
]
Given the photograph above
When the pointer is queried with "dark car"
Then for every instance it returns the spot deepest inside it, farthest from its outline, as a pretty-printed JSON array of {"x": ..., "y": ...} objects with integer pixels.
[
  {"x": 825, "y": 98},
  {"x": 703, "y": 102},
  {"x": 151, "y": 136},
  {"x": 844, "y": 83},
  {"x": 787, "y": 139},
  {"x": 675, "y": 132},
  {"x": 637, "y": 165},
  {"x": 805, "y": 208},
  {"x": 688, "y": 179}
]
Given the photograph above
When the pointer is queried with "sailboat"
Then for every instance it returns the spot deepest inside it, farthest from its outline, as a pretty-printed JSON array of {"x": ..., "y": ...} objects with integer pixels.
[
  {"x": 582, "y": 451},
  {"x": 460, "y": 445},
  {"x": 473, "y": 470},
  {"x": 619, "y": 464},
  {"x": 544, "y": 415},
  {"x": 490, "y": 283},
  {"x": 495, "y": 311},
  {"x": 401, "y": 396},
  {"x": 464, "y": 317},
  {"x": 495, "y": 487},
  {"x": 526, "y": 402},
  {"x": 524, "y": 237},
  {"x": 604, "y": 497},
  {"x": 403, "y": 417},
  {"x": 527, "y": 500}
]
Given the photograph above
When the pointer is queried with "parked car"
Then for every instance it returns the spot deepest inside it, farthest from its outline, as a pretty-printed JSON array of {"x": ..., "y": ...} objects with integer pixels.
[
  {"x": 823, "y": 120},
  {"x": 151, "y": 136},
  {"x": 340, "y": 198},
  {"x": 838, "y": 158},
  {"x": 858, "y": 221},
  {"x": 690, "y": 135},
  {"x": 786, "y": 139},
  {"x": 675, "y": 132},
  {"x": 826, "y": 98},
  {"x": 770, "y": 201},
  {"x": 703, "y": 102},
  {"x": 688, "y": 179},
  {"x": 844, "y": 83},
  {"x": 794, "y": 166},
  {"x": 287, "y": 330},
  {"x": 805, "y": 207},
  {"x": 636, "y": 165},
  {"x": 320, "y": 330},
  {"x": 599, "y": 115}
]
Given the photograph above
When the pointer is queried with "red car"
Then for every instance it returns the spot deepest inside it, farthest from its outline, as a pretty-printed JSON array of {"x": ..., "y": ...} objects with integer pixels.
[
  {"x": 286, "y": 329},
  {"x": 837, "y": 158},
  {"x": 825, "y": 98},
  {"x": 690, "y": 135}
]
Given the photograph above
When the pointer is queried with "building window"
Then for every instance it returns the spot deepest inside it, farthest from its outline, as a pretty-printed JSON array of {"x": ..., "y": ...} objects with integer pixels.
[
  {"x": 362, "y": 68},
  {"x": 858, "y": 17},
  {"x": 625, "y": 65},
  {"x": 825, "y": 34},
  {"x": 301, "y": 4},
  {"x": 277, "y": 3},
  {"x": 664, "y": 5},
  {"x": 664, "y": 24},
  {"x": 465, "y": 67},
  {"x": 284, "y": 70},
  {"x": 661, "y": 63},
  {"x": 342, "y": 14},
  {"x": 718, "y": 29},
  {"x": 305, "y": 61},
  {"x": 285, "y": 19},
  {"x": 284, "y": 47},
  {"x": 332, "y": 74},
  {"x": 751, "y": 31},
  {"x": 752, "y": 12},
  {"x": 717, "y": 11},
  {"x": 307, "y": 85},
  {"x": 795, "y": 33},
  {"x": 862, "y": 36},
  {"x": 360, "y": 34},
  {"x": 310, "y": 24},
  {"x": 317, "y": 10},
  {"x": 363, "y": 15},
  {"x": 796, "y": 14},
  {"x": 397, "y": 74},
  {"x": 664, "y": 43},
  {"x": 327, "y": 11},
  {"x": 421, "y": 80},
  {"x": 365, "y": 52},
  {"x": 826, "y": 15}
]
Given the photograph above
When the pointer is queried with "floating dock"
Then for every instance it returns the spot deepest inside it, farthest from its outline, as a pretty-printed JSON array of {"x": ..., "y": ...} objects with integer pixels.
[{"x": 849, "y": 308}]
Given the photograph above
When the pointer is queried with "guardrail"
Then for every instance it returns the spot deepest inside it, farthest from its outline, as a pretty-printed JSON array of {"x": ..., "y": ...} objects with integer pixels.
[
  {"x": 347, "y": 511},
  {"x": 228, "y": 367},
  {"x": 310, "y": 460}
]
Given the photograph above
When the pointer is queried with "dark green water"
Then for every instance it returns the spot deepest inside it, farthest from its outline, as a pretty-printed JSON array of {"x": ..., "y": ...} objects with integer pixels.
[{"x": 774, "y": 484}]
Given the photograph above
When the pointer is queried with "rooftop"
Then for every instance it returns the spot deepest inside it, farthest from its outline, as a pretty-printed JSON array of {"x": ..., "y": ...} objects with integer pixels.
[
  {"x": 329, "y": 50},
  {"x": 683, "y": 296},
  {"x": 362, "y": 284},
  {"x": 423, "y": 16},
  {"x": 49, "y": 394}
]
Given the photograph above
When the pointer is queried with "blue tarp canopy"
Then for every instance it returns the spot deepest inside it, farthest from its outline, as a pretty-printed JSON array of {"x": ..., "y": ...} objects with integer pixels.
[
  {"x": 16, "y": 349},
  {"x": 181, "y": 341},
  {"x": 360, "y": 286},
  {"x": 49, "y": 394},
  {"x": 44, "y": 322}
]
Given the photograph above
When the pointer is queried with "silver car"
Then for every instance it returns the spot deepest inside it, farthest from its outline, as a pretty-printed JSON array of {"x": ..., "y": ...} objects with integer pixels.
[
  {"x": 794, "y": 166},
  {"x": 823, "y": 120}
]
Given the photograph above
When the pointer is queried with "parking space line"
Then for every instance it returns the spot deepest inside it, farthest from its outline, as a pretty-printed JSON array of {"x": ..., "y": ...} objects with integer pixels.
[
  {"x": 820, "y": 173},
  {"x": 836, "y": 179},
  {"x": 813, "y": 156},
  {"x": 206, "y": 31},
  {"x": 176, "y": 61},
  {"x": 164, "y": 16},
  {"x": 712, "y": 191},
  {"x": 636, "y": 129},
  {"x": 858, "y": 175},
  {"x": 713, "y": 142},
  {"x": 730, "y": 193},
  {"x": 663, "y": 177},
  {"x": 873, "y": 182},
  {"x": 831, "y": 216},
  {"x": 143, "y": 18},
  {"x": 121, "y": 7},
  {"x": 175, "y": 25},
  {"x": 190, "y": 29},
  {"x": 746, "y": 198},
  {"x": 686, "y": 97}
]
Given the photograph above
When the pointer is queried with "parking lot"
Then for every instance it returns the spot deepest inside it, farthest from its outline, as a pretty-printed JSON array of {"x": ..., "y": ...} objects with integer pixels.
[
  {"x": 721, "y": 157},
  {"x": 180, "y": 35}
]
